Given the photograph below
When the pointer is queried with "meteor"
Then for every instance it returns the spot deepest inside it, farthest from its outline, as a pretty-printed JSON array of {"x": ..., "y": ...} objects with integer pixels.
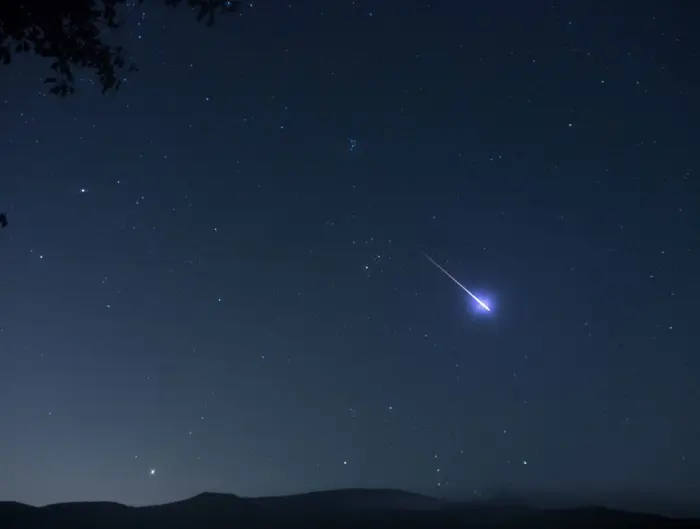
[{"x": 460, "y": 285}]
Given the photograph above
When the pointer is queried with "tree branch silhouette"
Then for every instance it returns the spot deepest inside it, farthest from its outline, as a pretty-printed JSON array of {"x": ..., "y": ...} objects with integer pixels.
[{"x": 71, "y": 34}]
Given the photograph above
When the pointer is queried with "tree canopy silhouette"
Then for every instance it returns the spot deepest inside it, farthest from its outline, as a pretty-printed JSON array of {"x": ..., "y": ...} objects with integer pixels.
[
  {"x": 72, "y": 34},
  {"x": 3, "y": 220}
]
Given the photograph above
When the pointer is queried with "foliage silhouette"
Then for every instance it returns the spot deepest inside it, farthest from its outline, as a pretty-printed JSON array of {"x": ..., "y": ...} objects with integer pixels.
[{"x": 72, "y": 34}]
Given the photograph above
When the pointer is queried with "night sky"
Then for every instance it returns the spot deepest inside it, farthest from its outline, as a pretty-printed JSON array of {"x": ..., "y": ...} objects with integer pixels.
[{"x": 215, "y": 278}]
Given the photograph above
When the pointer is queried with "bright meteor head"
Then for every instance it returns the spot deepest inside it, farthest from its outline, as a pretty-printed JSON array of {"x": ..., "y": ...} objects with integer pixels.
[{"x": 482, "y": 304}]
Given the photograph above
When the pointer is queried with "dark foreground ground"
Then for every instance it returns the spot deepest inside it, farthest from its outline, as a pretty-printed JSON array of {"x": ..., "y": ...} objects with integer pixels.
[{"x": 383, "y": 509}]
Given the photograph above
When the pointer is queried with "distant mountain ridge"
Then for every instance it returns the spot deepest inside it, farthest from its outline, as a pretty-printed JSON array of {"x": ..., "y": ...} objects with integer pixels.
[
  {"x": 352, "y": 500},
  {"x": 344, "y": 508}
]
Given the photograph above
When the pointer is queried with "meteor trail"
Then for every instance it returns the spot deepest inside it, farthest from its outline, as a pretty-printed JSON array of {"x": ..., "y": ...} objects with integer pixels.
[{"x": 460, "y": 285}]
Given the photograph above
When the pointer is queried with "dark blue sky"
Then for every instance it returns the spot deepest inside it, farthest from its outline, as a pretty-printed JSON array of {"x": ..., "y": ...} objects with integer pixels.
[{"x": 217, "y": 273}]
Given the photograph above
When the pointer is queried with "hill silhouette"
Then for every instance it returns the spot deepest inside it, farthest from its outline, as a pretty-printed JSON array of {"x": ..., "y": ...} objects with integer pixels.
[
  {"x": 342, "y": 509},
  {"x": 349, "y": 500}
]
